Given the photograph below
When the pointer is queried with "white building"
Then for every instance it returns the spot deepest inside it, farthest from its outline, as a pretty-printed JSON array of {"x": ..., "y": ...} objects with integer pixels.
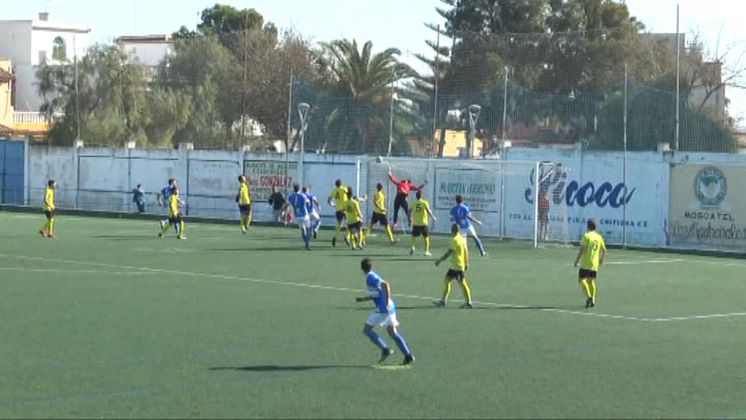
[
  {"x": 28, "y": 43},
  {"x": 148, "y": 50}
]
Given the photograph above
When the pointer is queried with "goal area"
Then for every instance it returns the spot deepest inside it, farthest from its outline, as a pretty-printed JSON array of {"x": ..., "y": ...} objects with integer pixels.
[{"x": 512, "y": 199}]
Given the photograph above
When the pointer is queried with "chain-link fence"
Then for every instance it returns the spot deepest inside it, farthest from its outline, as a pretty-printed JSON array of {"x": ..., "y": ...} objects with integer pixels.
[{"x": 598, "y": 87}]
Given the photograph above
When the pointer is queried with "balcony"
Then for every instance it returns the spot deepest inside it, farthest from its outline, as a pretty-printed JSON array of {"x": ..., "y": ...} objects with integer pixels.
[{"x": 34, "y": 124}]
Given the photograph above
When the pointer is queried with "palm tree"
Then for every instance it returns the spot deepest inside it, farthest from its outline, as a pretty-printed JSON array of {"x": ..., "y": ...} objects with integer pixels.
[{"x": 368, "y": 80}]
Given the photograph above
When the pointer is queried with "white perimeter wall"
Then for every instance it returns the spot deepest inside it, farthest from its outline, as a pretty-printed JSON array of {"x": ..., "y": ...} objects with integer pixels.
[{"x": 101, "y": 179}]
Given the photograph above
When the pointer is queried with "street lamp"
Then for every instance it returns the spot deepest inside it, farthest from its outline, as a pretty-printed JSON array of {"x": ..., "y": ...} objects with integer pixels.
[
  {"x": 303, "y": 109},
  {"x": 473, "y": 112}
]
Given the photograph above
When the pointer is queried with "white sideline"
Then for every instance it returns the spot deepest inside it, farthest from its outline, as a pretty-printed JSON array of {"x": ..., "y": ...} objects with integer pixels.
[{"x": 344, "y": 289}]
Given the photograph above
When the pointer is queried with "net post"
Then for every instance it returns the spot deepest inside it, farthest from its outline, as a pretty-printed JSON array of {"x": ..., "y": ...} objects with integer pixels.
[{"x": 536, "y": 204}]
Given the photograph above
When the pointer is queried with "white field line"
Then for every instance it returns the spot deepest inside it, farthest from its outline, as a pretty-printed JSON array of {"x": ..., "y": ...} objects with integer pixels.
[
  {"x": 657, "y": 261},
  {"x": 349, "y": 290},
  {"x": 55, "y": 270}
]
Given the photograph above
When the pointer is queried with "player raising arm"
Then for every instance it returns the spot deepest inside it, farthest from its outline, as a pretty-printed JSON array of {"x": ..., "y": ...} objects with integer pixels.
[
  {"x": 591, "y": 257},
  {"x": 403, "y": 187},
  {"x": 379, "y": 292},
  {"x": 459, "y": 253}
]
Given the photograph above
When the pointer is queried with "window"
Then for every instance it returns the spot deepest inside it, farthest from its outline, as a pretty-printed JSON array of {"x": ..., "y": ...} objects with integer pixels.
[{"x": 58, "y": 50}]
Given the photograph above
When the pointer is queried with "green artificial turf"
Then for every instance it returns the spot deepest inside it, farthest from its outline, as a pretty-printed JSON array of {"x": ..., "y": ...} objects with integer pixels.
[{"x": 110, "y": 321}]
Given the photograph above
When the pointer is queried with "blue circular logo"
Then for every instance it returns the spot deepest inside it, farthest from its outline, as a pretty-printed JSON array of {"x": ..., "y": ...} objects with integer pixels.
[{"x": 710, "y": 186}]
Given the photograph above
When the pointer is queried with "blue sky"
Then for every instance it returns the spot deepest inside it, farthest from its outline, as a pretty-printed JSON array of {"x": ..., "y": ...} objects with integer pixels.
[{"x": 387, "y": 23}]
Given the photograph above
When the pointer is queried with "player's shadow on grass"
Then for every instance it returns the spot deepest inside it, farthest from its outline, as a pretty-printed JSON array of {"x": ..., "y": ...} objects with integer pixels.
[
  {"x": 398, "y": 308},
  {"x": 288, "y": 368}
]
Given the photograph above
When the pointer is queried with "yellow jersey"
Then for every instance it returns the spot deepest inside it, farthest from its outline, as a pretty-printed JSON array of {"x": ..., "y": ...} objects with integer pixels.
[
  {"x": 594, "y": 244},
  {"x": 421, "y": 213},
  {"x": 352, "y": 211},
  {"x": 340, "y": 197},
  {"x": 173, "y": 205},
  {"x": 49, "y": 199},
  {"x": 244, "y": 195},
  {"x": 379, "y": 202},
  {"x": 458, "y": 253}
]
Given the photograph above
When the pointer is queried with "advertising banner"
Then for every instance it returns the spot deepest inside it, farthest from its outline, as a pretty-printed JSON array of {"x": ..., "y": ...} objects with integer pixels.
[
  {"x": 708, "y": 208},
  {"x": 265, "y": 174},
  {"x": 478, "y": 187}
]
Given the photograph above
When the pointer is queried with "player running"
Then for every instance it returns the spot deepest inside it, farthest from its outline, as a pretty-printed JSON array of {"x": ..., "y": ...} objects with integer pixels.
[
  {"x": 174, "y": 215},
  {"x": 314, "y": 210},
  {"x": 339, "y": 198},
  {"x": 47, "y": 231},
  {"x": 403, "y": 187},
  {"x": 379, "y": 291},
  {"x": 421, "y": 215},
  {"x": 162, "y": 197},
  {"x": 300, "y": 203},
  {"x": 591, "y": 257},
  {"x": 461, "y": 215},
  {"x": 379, "y": 213},
  {"x": 459, "y": 253},
  {"x": 243, "y": 198},
  {"x": 354, "y": 217}
]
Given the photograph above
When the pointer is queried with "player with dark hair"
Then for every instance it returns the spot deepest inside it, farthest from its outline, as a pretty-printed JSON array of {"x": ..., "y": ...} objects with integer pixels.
[
  {"x": 459, "y": 253},
  {"x": 299, "y": 202},
  {"x": 591, "y": 257},
  {"x": 339, "y": 198},
  {"x": 379, "y": 291},
  {"x": 47, "y": 230},
  {"x": 421, "y": 215},
  {"x": 462, "y": 216},
  {"x": 174, "y": 215},
  {"x": 379, "y": 213},
  {"x": 243, "y": 198},
  {"x": 354, "y": 217},
  {"x": 403, "y": 187}
]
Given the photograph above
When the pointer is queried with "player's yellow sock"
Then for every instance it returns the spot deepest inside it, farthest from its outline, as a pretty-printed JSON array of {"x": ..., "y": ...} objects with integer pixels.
[
  {"x": 586, "y": 288},
  {"x": 45, "y": 227},
  {"x": 593, "y": 289},
  {"x": 446, "y": 289},
  {"x": 427, "y": 244},
  {"x": 467, "y": 290},
  {"x": 51, "y": 226},
  {"x": 181, "y": 228},
  {"x": 362, "y": 237},
  {"x": 390, "y": 233},
  {"x": 248, "y": 220}
]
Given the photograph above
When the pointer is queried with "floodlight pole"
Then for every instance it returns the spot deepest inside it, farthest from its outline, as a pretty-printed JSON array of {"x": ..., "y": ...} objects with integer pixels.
[
  {"x": 303, "y": 109},
  {"x": 473, "y": 114},
  {"x": 677, "y": 133}
]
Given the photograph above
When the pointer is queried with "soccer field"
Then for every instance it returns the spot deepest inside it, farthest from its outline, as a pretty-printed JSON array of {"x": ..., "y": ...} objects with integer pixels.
[{"x": 110, "y": 321}]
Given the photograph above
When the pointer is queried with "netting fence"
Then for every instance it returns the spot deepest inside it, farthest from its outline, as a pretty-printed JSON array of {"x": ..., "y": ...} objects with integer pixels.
[{"x": 244, "y": 89}]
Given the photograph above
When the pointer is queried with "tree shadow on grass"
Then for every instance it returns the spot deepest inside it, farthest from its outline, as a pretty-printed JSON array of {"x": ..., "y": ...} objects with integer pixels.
[{"x": 287, "y": 368}]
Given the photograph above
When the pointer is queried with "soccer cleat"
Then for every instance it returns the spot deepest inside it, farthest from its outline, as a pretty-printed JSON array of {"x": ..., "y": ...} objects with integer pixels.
[
  {"x": 408, "y": 359},
  {"x": 160, "y": 235},
  {"x": 181, "y": 237},
  {"x": 315, "y": 234},
  {"x": 440, "y": 303},
  {"x": 347, "y": 241},
  {"x": 43, "y": 234},
  {"x": 467, "y": 305},
  {"x": 588, "y": 303},
  {"x": 593, "y": 303},
  {"x": 428, "y": 254},
  {"x": 484, "y": 254},
  {"x": 385, "y": 353},
  {"x": 334, "y": 241},
  {"x": 243, "y": 231},
  {"x": 411, "y": 251},
  {"x": 51, "y": 236}
]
